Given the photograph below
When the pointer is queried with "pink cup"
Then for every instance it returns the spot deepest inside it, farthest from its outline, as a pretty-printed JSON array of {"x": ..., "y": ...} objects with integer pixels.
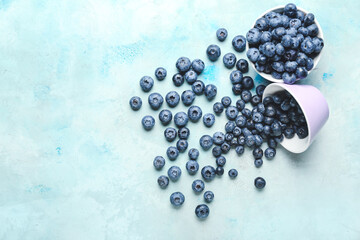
[{"x": 314, "y": 107}]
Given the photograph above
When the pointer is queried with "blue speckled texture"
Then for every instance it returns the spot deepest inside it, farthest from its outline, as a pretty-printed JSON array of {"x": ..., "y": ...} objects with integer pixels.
[{"x": 76, "y": 164}]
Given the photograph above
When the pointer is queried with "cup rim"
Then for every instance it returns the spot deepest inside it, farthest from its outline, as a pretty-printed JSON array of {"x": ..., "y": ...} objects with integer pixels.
[
  {"x": 316, "y": 59},
  {"x": 309, "y": 137}
]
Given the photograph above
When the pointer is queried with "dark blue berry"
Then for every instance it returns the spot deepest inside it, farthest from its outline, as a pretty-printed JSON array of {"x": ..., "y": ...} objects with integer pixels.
[
  {"x": 218, "y": 138},
  {"x": 172, "y": 153},
  {"x": 148, "y": 122},
  {"x": 208, "y": 173},
  {"x": 259, "y": 183},
  {"x": 213, "y": 52},
  {"x": 174, "y": 173},
  {"x": 236, "y": 77},
  {"x": 290, "y": 10},
  {"x": 225, "y": 147},
  {"x": 177, "y": 199},
  {"x": 248, "y": 82},
  {"x": 183, "y": 64},
  {"x": 194, "y": 113},
  {"x": 240, "y": 104},
  {"x": 163, "y": 181},
  {"x": 202, "y": 211},
  {"x": 216, "y": 151},
  {"x": 270, "y": 153},
  {"x": 246, "y": 96},
  {"x": 192, "y": 167},
  {"x": 261, "y": 24},
  {"x": 253, "y": 54},
  {"x": 160, "y": 73},
  {"x": 181, "y": 145},
  {"x": 301, "y": 73},
  {"x": 178, "y": 79},
  {"x": 146, "y": 83},
  {"x": 183, "y": 133},
  {"x": 218, "y": 108},
  {"x": 258, "y": 162},
  {"x": 198, "y": 87},
  {"x": 210, "y": 91},
  {"x": 135, "y": 103},
  {"x": 188, "y": 97},
  {"x": 221, "y": 161},
  {"x": 198, "y": 185},
  {"x": 233, "y": 173},
  {"x": 208, "y": 196},
  {"x": 170, "y": 134},
  {"x": 159, "y": 162},
  {"x": 206, "y": 142},
  {"x": 253, "y": 36},
  {"x": 229, "y": 126},
  {"x": 219, "y": 171},
  {"x": 309, "y": 19},
  {"x": 237, "y": 89},
  {"x": 181, "y": 119},
  {"x": 193, "y": 153},
  {"x": 165, "y": 116},
  {"x": 208, "y": 119},
  {"x": 232, "y": 112},
  {"x": 240, "y": 149},
  {"x": 229, "y": 60},
  {"x": 190, "y": 76},
  {"x": 221, "y": 34},
  {"x": 242, "y": 65},
  {"x": 239, "y": 43},
  {"x": 198, "y": 66},
  {"x": 172, "y": 99}
]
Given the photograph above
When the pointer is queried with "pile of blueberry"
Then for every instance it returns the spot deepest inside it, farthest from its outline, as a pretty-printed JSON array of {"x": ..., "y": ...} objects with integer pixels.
[
  {"x": 284, "y": 45},
  {"x": 252, "y": 120}
]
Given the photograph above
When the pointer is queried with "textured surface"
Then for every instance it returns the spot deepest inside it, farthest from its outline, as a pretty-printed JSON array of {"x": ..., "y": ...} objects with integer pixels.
[{"x": 76, "y": 164}]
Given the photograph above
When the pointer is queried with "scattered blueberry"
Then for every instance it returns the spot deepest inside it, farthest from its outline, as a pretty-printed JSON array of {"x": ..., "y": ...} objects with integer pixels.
[
  {"x": 146, "y": 83},
  {"x": 188, "y": 97},
  {"x": 178, "y": 79},
  {"x": 202, "y": 211},
  {"x": 159, "y": 162},
  {"x": 172, "y": 99},
  {"x": 209, "y": 119},
  {"x": 221, "y": 34},
  {"x": 160, "y": 73},
  {"x": 218, "y": 138},
  {"x": 210, "y": 91},
  {"x": 270, "y": 153},
  {"x": 181, "y": 119},
  {"x": 213, "y": 52},
  {"x": 190, "y": 76},
  {"x": 148, "y": 122},
  {"x": 198, "y": 185},
  {"x": 198, "y": 87},
  {"x": 135, "y": 103},
  {"x": 170, "y": 134},
  {"x": 194, "y": 113},
  {"x": 198, "y": 66},
  {"x": 208, "y": 196},
  {"x": 208, "y": 173},
  {"x": 219, "y": 171},
  {"x": 221, "y": 161},
  {"x": 181, "y": 145},
  {"x": 232, "y": 112},
  {"x": 172, "y": 153},
  {"x": 206, "y": 142},
  {"x": 174, "y": 173},
  {"x": 183, "y": 133},
  {"x": 193, "y": 153},
  {"x": 239, "y": 43},
  {"x": 183, "y": 64},
  {"x": 242, "y": 65},
  {"x": 259, "y": 183},
  {"x": 192, "y": 167},
  {"x": 163, "y": 181},
  {"x": 258, "y": 162},
  {"x": 229, "y": 60},
  {"x": 165, "y": 116},
  {"x": 233, "y": 173},
  {"x": 177, "y": 199}
]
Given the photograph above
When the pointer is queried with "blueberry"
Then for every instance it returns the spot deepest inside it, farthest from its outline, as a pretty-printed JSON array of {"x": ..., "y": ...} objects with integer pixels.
[
  {"x": 208, "y": 173},
  {"x": 146, "y": 83},
  {"x": 233, "y": 173},
  {"x": 300, "y": 15},
  {"x": 289, "y": 133},
  {"x": 261, "y": 107},
  {"x": 253, "y": 36},
  {"x": 270, "y": 153},
  {"x": 253, "y": 54},
  {"x": 302, "y": 132},
  {"x": 269, "y": 15},
  {"x": 240, "y": 104},
  {"x": 239, "y": 149},
  {"x": 221, "y": 161},
  {"x": 183, "y": 64},
  {"x": 198, "y": 185},
  {"x": 163, "y": 181},
  {"x": 232, "y": 112},
  {"x": 257, "y": 117},
  {"x": 313, "y": 30},
  {"x": 225, "y": 147},
  {"x": 209, "y": 119},
  {"x": 259, "y": 183},
  {"x": 165, "y": 116},
  {"x": 181, "y": 119},
  {"x": 261, "y": 24},
  {"x": 184, "y": 133},
  {"x": 210, "y": 91},
  {"x": 242, "y": 65},
  {"x": 246, "y": 96},
  {"x": 218, "y": 138},
  {"x": 218, "y": 108},
  {"x": 257, "y": 153},
  {"x": 240, "y": 121},
  {"x": 178, "y": 79},
  {"x": 148, "y": 122},
  {"x": 319, "y": 44},
  {"x": 258, "y": 140},
  {"x": 277, "y": 33},
  {"x": 194, "y": 113},
  {"x": 208, "y": 196},
  {"x": 229, "y": 126},
  {"x": 290, "y": 10},
  {"x": 172, "y": 153},
  {"x": 135, "y": 103},
  {"x": 259, "y": 67},
  {"x": 258, "y": 162},
  {"x": 279, "y": 49},
  {"x": 239, "y": 43},
  {"x": 188, "y": 97},
  {"x": 309, "y": 64},
  {"x": 276, "y": 128},
  {"x": 278, "y": 66},
  {"x": 295, "y": 42},
  {"x": 236, "y": 77},
  {"x": 248, "y": 82},
  {"x": 219, "y": 171},
  {"x": 170, "y": 134},
  {"x": 213, "y": 52},
  {"x": 292, "y": 32},
  {"x": 198, "y": 66},
  {"x": 228, "y": 137},
  {"x": 301, "y": 59},
  {"x": 193, "y": 153},
  {"x": 221, "y": 34},
  {"x": 284, "y": 21},
  {"x": 206, "y": 142},
  {"x": 174, "y": 173},
  {"x": 237, "y": 89},
  {"x": 202, "y": 211},
  {"x": 295, "y": 23},
  {"x": 250, "y": 140},
  {"x": 216, "y": 151},
  {"x": 266, "y": 37},
  {"x": 190, "y": 76},
  {"x": 290, "y": 55},
  {"x": 275, "y": 21},
  {"x": 271, "y": 143},
  {"x": 246, "y": 132},
  {"x": 246, "y": 112},
  {"x": 229, "y": 60},
  {"x": 237, "y": 131},
  {"x": 159, "y": 162},
  {"x": 307, "y": 46},
  {"x": 276, "y": 75},
  {"x": 289, "y": 78},
  {"x": 301, "y": 73},
  {"x": 182, "y": 145},
  {"x": 192, "y": 167},
  {"x": 177, "y": 199},
  {"x": 309, "y": 19},
  {"x": 304, "y": 31},
  {"x": 269, "y": 49},
  {"x": 290, "y": 66},
  {"x": 198, "y": 87},
  {"x": 172, "y": 99},
  {"x": 160, "y": 73},
  {"x": 300, "y": 38}
]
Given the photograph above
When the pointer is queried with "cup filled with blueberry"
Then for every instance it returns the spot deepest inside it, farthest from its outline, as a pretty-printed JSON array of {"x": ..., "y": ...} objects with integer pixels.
[{"x": 285, "y": 44}]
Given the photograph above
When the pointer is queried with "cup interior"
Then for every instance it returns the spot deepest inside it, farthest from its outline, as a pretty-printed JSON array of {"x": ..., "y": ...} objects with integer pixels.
[
  {"x": 295, "y": 144},
  {"x": 280, "y": 9}
]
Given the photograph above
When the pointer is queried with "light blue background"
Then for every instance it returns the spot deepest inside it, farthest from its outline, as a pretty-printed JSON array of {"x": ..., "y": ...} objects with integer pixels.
[{"x": 76, "y": 164}]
